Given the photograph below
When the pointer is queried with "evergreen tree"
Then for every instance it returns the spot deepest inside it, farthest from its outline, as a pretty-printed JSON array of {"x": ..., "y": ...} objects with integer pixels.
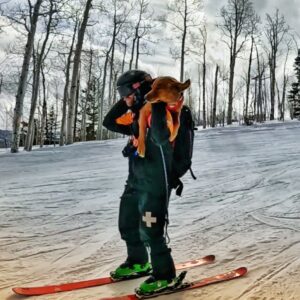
[
  {"x": 294, "y": 93},
  {"x": 51, "y": 127}
]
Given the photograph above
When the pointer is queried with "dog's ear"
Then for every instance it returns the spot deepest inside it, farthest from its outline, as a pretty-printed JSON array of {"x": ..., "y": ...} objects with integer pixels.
[{"x": 185, "y": 85}]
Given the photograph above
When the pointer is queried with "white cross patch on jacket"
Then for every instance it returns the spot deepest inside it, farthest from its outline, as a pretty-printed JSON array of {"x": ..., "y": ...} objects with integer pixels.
[{"x": 148, "y": 219}]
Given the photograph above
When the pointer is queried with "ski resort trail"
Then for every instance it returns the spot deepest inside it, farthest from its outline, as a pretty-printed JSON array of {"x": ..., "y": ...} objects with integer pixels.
[{"x": 59, "y": 207}]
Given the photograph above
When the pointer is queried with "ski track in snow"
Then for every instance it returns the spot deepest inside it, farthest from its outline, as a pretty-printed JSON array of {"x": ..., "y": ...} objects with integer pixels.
[{"x": 59, "y": 207}]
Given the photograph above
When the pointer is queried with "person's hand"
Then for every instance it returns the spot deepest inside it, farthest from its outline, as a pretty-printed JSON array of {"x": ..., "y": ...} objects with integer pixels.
[{"x": 129, "y": 100}]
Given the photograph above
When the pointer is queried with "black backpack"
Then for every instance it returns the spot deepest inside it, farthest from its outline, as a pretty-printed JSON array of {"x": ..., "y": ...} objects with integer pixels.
[{"x": 183, "y": 149}]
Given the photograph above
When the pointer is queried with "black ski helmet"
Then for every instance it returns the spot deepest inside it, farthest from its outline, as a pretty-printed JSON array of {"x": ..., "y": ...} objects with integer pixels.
[{"x": 132, "y": 80}]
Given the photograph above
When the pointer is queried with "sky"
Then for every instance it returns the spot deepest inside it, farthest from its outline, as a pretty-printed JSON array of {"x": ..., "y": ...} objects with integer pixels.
[
  {"x": 59, "y": 212},
  {"x": 217, "y": 50},
  {"x": 164, "y": 63}
]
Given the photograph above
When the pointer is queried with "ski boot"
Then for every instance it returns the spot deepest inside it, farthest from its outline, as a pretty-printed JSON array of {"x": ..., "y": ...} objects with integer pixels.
[
  {"x": 129, "y": 270},
  {"x": 152, "y": 286}
]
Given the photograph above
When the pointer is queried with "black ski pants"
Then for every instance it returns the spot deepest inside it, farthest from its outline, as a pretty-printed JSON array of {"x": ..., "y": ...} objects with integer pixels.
[{"x": 142, "y": 219}]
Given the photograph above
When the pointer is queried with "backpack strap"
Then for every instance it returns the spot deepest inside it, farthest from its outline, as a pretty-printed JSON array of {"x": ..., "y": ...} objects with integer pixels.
[
  {"x": 178, "y": 184},
  {"x": 192, "y": 173},
  {"x": 179, "y": 188}
]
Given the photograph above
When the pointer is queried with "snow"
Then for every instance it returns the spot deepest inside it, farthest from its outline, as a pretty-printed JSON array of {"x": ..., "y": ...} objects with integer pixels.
[{"x": 59, "y": 207}]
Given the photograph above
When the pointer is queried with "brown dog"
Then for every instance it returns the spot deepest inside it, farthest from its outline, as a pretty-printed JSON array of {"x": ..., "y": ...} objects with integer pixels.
[{"x": 165, "y": 89}]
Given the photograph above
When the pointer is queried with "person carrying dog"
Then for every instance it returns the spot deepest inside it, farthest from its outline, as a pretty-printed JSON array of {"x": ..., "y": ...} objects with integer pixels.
[{"x": 143, "y": 212}]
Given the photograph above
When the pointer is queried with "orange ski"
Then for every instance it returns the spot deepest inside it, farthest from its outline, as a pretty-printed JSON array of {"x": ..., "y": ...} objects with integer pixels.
[
  {"x": 188, "y": 285},
  {"x": 51, "y": 289}
]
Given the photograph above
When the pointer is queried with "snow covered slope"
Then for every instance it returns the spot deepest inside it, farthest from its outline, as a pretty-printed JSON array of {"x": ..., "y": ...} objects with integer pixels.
[{"x": 59, "y": 206}]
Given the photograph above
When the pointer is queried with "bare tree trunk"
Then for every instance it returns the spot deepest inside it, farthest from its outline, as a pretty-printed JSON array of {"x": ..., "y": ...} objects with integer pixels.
[
  {"x": 285, "y": 82},
  {"x": 1, "y": 82},
  {"x": 190, "y": 98},
  {"x": 112, "y": 58},
  {"x": 18, "y": 111},
  {"x": 260, "y": 100},
  {"x": 115, "y": 90},
  {"x": 36, "y": 81},
  {"x": 62, "y": 138},
  {"x": 182, "y": 57},
  {"x": 44, "y": 111},
  {"x": 265, "y": 98},
  {"x": 248, "y": 79},
  {"x": 136, "y": 35},
  {"x": 203, "y": 90},
  {"x": 132, "y": 53},
  {"x": 255, "y": 100},
  {"x": 279, "y": 101},
  {"x": 87, "y": 99},
  {"x": 56, "y": 115},
  {"x": 133, "y": 48},
  {"x": 33, "y": 131},
  {"x": 275, "y": 30},
  {"x": 101, "y": 104},
  {"x": 83, "y": 123},
  {"x": 39, "y": 112},
  {"x": 231, "y": 83},
  {"x": 77, "y": 103},
  {"x": 74, "y": 84},
  {"x": 261, "y": 97},
  {"x": 97, "y": 97},
  {"x": 137, "y": 53},
  {"x": 124, "y": 56},
  {"x": 117, "y": 23},
  {"x": 258, "y": 94},
  {"x": 214, "y": 110},
  {"x": 272, "y": 64},
  {"x": 239, "y": 21},
  {"x": 211, "y": 104},
  {"x": 199, "y": 99}
]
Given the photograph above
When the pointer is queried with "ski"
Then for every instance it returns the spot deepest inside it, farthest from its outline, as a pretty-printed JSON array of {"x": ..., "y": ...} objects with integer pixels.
[
  {"x": 186, "y": 286},
  {"x": 51, "y": 289}
]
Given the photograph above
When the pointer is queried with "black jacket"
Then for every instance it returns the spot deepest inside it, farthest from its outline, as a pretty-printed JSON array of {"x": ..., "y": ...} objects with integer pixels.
[{"x": 151, "y": 173}]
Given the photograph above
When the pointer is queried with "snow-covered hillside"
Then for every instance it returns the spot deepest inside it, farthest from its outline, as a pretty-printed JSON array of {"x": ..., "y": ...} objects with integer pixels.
[{"x": 59, "y": 207}]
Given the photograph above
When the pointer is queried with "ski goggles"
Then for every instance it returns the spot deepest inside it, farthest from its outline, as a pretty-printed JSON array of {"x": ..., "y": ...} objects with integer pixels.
[{"x": 125, "y": 90}]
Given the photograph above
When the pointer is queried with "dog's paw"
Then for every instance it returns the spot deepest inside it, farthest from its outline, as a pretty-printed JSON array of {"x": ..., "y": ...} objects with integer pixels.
[
  {"x": 173, "y": 136},
  {"x": 141, "y": 151}
]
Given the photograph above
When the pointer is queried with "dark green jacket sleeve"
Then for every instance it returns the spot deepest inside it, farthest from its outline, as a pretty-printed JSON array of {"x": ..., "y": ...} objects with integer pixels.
[
  {"x": 159, "y": 130},
  {"x": 119, "y": 109}
]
